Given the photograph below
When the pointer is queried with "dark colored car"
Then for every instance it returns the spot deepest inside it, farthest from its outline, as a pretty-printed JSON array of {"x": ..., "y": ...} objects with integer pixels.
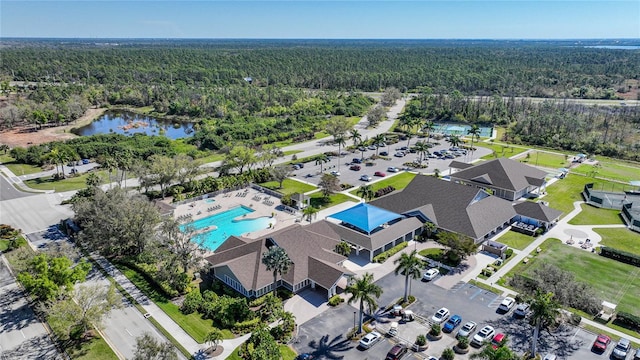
[
  {"x": 356, "y": 161},
  {"x": 396, "y": 352},
  {"x": 380, "y": 174},
  {"x": 452, "y": 323},
  {"x": 601, "y": 343},
  {"x": 354, "y": 167},
  {"x": 384, "y": 153},
  {"x": 301, "y": 165},
  {"x": 85, "y": 161},
  {"x": 304, "y": 356}
]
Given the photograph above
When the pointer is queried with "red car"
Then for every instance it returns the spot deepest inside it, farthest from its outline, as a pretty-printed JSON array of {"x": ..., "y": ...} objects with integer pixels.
[
  {"x": 379, "y": 173},
  {"x": 601, "y": 343},
  {"x": 355, "y": 167},
  {"x": 497, "y": 340}
]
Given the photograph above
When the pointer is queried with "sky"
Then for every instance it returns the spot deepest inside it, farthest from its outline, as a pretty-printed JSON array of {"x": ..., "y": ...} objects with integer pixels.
[{"x": 326, "y": 19}]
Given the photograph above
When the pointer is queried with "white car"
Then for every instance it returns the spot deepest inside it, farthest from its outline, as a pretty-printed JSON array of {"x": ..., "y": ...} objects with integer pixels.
[
  {"x": 392, "y": 169},
  {"x": 440, "y": 316},
  {"x": 467, "y": 329},
  {"x": 507, "y": 304},
  {"x": 485, "y": 334},
  {"x": 366, "y": 178},
  {"x": 430, "y": 274},
  {"x": 370, "y": 339},
  {"x": 335, "y": 173}
]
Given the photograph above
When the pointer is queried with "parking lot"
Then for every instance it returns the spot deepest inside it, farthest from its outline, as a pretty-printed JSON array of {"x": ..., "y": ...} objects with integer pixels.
[
  {"x": 311, "y": 172},
  {"x": 324, "y": 335}
]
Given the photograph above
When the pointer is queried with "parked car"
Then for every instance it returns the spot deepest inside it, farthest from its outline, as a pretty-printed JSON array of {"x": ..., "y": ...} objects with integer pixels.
[
  {"x": 399, "y": 154},
  {"x": 301, "y": 165},
  {"x": 370, "y": 339},
  {"x": 362, "y": 148},
  {"x": 85, "y": 161},
  {"x": 335, "y": 173},
  {"x": 521, "y": 310},
  {"x": 440, "y": 316},
  {"x": 506, "y": 304},
  {"x": 305, "y": 356},
  {"x": 384, "y": 153},
  {"x": 622, "y": 349},
  {"x": 397, "y": 352},
  {"x": 467, "y": 329},
  {"x": 452, "y": 323},
  {"x": 636, "y": 356},
  {"x": 296, "y": 167},
  {"x": 407, "y": 315},
  {"x": 430, "y": 274},
  {"x": 356, "y": 161},
  {"x": 402, "y": 148},
  {"x": 497, "y": 340},
  {"x": 371, "y": 147},
  {"x": 379, "y": 173},
  {"x": 354, "y": 167},
  {"x": 437, "y": 153},
  {"x": 601, "y": 343},
  {"x": 483, "y": 335},
  {"x": 392, "y": 169},
  {"x": 366, "y": 178},
  {"x": 550, "y": 357}
]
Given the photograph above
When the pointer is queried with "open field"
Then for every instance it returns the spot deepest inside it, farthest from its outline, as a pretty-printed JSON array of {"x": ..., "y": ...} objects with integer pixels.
[
  {"x": 500, "y": 149},
  {"x": 562, "y": 194},
  {"x": 591, "y": 215},
  {"x": 545, "y": 159},
  {"x": 399, "y": 182},
  {"x": 94, "y": 349},
  {"x": 318, "y": 202},
  {"x": 616, "y": 282},
  {"x": 289, "y": 186},
  {"x": 611, "y": 169},
  {"x": 620, "y": 238},
  {"x": 515, "y": 240}
]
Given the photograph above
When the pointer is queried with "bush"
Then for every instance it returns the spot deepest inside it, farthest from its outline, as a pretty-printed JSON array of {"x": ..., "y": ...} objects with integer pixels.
[
  {"x": 191, "y": 302},
  {"x": 627, "y": 320},
  {"x": 619, "y": 255},
  {"x": 421, "y": 340},
  {"x": 488, "y": 271},
  {"x": 247, "y": 326},
  {"x": 463, "y": 343},
  {"x": 335, "y": 300},
  {"x": 436, "y": 330},
  {"x": 411, "y": 299},
  {"x": 508, "y": 253},
  {"x": 380, "y": 258},
  {"x": 448, "y": 354},
  {"x": 384, "y": 191}
]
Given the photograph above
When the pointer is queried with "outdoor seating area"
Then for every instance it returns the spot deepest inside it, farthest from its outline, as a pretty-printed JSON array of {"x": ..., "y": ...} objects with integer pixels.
[
  {"x": 214, "y": 208},
  {"x": 524, "y": 228}
]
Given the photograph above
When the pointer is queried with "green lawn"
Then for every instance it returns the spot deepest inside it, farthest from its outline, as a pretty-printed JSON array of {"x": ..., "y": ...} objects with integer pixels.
[
  {"x": 68, "y": 184},
  {"x": 286, "y": 353},
  {"x": 193, "y": 324},
  {"x": 289, "y": 186},
  {"x": 94, "y": 349},
  {"x": 591, "y": 215},
  {"x": 291, "y": 152},
  {"x": 500, "y": 149},
  {"x": 545, "y": 159},
  {"x": 515, "y": 240},
  {"x": 317, "y": 200},
  {"x": 17, "y": 168},
  {"x": 620, "y": 238},
  {"x": 399, "y": 182},
  {"x": 611, "y": 169},
  {"x": 564, "y": 192},
  {"x": 212, "y": 158},
  {"x": 612, "y": 280}
]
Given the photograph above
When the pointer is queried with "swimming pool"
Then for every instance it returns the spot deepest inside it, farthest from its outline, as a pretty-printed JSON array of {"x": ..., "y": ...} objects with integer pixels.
[
  {"x": 460, "y": 129},
  {"x": 226, "y": 224}
]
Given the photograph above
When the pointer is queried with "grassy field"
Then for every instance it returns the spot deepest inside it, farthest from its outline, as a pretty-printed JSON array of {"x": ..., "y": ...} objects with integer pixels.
[
  {"x": 591, "y": 215},
  {"x": 289, "y": 186},
  {"x": 515, "y": 240},
  {"x": 611, "y": 169},
  {"x": 545, "y": 159},
  {"x": 95, "y": 349},
  {"x": 616, "y": 282},
  {"x": 19, "y": 169},
  {"x": 286, "y": 353},
  {"x": 399, "y": 182},
  {"x": 620, "y": 238},
  {"x": 211, "y": 158},
  {"x": 500, "y": 150},
  {"x": 193, "y": 324},
  {"x": 68, "y": 184},
  {"x": 317, "y": 200},
  {"x": 563, "y": 193}
]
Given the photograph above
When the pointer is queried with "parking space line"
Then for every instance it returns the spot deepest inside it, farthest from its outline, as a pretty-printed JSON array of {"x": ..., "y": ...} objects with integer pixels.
[{"x": 476, "y": 294}]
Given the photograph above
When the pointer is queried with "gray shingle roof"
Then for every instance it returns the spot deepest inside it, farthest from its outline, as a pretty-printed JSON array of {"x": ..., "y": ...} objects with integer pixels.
[
  {"x": 537, "y": 211},
  {"x": 244, "y": 257},
  {"x": 503, "y": 173},
  {"x": 459, "y": 208}
]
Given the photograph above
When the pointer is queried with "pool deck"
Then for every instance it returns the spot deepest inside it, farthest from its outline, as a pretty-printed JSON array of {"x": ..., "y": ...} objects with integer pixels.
[{"x": 262, "y": 204}]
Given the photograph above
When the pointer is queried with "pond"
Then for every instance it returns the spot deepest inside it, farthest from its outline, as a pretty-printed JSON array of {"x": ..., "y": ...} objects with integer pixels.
[{"x": 128, "y": 123}]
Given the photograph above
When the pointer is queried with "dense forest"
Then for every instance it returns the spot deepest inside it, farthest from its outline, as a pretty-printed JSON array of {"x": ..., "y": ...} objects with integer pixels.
[{"x": 478, "y": 68}]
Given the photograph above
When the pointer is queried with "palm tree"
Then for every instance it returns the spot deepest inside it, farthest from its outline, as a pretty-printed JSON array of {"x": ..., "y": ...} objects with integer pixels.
[
  {"x": 544, "y": 310},
  {"x": 355, "y": 135},
  {"x": 410, "y": 125},
  {"x": 422, "y": 149},
  {"x": 322, "y": 159},
  {"x": 454, "y": 140},
  {"x": 475, "y": 134},
  {"x": 341, "y": 141},
  {"x": 276, "y": 260},
  {"x": 214, "y": 337},
  {"x": 379, "y": 140},
  {"x": 366, "y": 192},
  {"x": 364, "y": 290},
  {"x": 436, "y": 172},
  {"x": 429, "y": 126},
  {"x": 310, "y": 213},
  {"x": 409, "y": 265}
]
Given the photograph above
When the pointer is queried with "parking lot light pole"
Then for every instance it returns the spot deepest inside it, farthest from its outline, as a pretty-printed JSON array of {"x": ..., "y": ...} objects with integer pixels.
[{"x": 354, "y": 321}]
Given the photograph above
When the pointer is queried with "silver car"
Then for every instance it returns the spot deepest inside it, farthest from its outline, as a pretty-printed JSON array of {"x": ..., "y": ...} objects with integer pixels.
[
  {"x": 467, "y": 329},
  {"x": 622, "y": 349}
]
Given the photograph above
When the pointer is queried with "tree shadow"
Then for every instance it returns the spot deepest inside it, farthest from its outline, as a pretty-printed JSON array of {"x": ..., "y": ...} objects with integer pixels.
[
  {"x": 17, "y": 318},
  {"x": 325, "y": 348},
  {"x": 39, "y": 347}
]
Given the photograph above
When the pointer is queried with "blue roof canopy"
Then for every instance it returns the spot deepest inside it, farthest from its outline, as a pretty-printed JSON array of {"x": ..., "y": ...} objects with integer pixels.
[{"x": 365, "y": 216}]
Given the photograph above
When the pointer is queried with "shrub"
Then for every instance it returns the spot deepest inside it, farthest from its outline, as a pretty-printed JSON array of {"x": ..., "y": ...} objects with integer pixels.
[
  {"x": 627, "y": 320},
  {"x": 619, "y": 255},
  {"x": 508, "y": 253},
  {"x": 411, "y": 299},
  {"x": 335, "y": 300},
  {"x": 191, "y": 302},
  {"x": 380, "y": 258},
  {"x": 247, "y": 326},
  {"x": 384, "y": 191},
  {"x": 436, "y": 330},
  {"x": 448, "y": 354},
  {"x": 463, "y": 343},
  {"x": 421, "y": 340}
]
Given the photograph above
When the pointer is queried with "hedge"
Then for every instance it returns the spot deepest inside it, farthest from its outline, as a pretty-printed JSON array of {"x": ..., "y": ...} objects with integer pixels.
[
  {"x": 619, "y": 255},
  {"x": 247, "y": 326},
  {"x": 382, "y": 257},
  {"x": 627, "y": 320},
  {"x": 335, "y": 300}
]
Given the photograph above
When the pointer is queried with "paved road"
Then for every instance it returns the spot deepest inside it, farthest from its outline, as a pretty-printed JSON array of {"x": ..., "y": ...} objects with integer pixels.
[
  {"x": 34, "y": 213},
  {"x": 22, "y": 335},
  {"x": 9, "y": 192}
]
